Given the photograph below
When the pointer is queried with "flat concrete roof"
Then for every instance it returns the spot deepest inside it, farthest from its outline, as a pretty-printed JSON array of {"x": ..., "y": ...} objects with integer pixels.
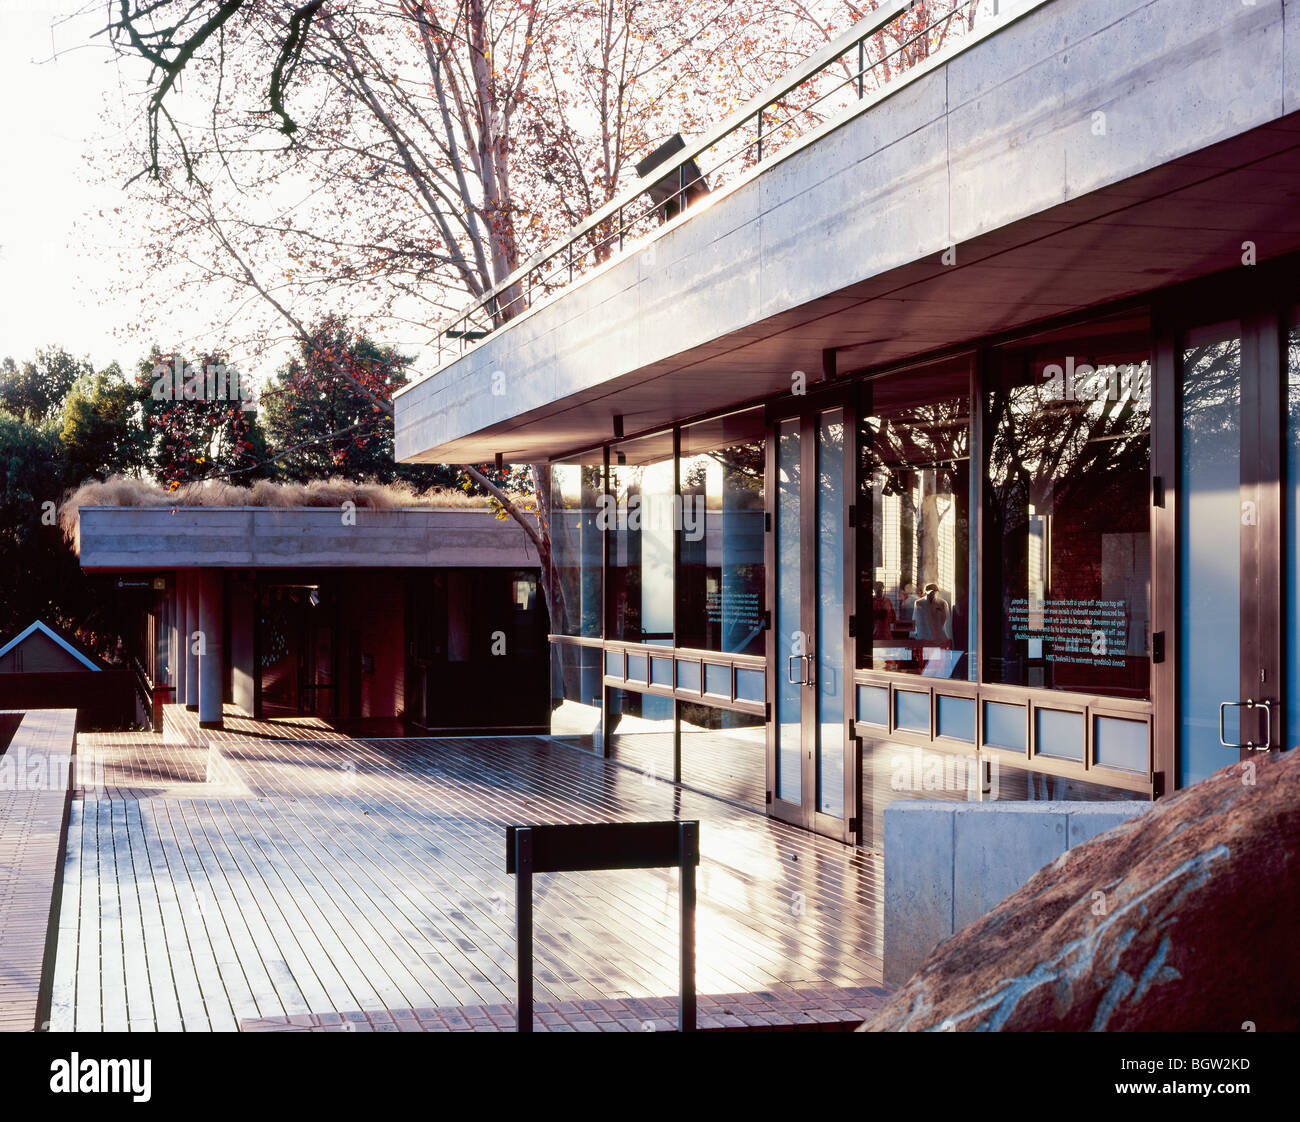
[
  {"x": 119, "y": 538},
  {"x": 1084, "y": 153}
]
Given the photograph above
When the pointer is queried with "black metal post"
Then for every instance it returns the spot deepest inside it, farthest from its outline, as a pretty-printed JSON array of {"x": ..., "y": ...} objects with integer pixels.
[
  {"x": 689, "y": 834},
  {"x": 524, "y": 928}
]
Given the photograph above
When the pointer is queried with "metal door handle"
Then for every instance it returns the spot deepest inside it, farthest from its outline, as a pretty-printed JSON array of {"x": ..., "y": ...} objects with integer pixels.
[
  {"x": 1249, "y": 703},
  {"x": 809, "y": 677},
  {"x": 799, "y": 681}
]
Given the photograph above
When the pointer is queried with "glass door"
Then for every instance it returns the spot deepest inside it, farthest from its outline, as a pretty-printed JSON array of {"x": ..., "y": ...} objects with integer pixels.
[
  {"x": 812, "y": 763},
  {"x": 1232, "y": 599}
]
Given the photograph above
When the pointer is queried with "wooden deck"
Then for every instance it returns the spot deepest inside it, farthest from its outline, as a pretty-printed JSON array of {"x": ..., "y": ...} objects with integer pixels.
[
  {"x": 309, "y": 876},
  {"x": 34, "y": 793}
]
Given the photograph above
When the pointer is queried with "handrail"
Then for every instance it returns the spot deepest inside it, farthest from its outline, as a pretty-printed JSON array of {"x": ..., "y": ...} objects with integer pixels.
[{"x": 488, "y": 311}]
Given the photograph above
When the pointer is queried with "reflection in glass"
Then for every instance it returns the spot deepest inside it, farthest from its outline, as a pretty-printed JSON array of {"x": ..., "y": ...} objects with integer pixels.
[
  {"x": 724, "y": 753},
  {"x": 641, "y": 731},
  {"x": 1209, "y": 551},
  {"x": 791, "y": 644},
  {"x": 576, "y": 548},
  {"x": 576, "y": 686},
  {"x": 1291, "y": 735},
  {"x": 830, "y": 613},
  {"x": 641, "y": 522},
  {"x": 1067, "y": 530},
  {"x": 721, "y": 593},
  {"x": 915, "y": 481}
]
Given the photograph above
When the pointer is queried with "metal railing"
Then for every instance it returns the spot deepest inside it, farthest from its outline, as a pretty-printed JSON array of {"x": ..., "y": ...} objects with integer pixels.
[{"x": 899, "y": 37}]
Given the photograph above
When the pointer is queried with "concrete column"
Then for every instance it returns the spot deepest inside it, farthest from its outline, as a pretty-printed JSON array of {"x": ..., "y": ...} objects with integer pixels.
[
  {"x": 191, "y": 626},
  {"x": 176, "y": 641},
  {"x": 210, "y": 662}
]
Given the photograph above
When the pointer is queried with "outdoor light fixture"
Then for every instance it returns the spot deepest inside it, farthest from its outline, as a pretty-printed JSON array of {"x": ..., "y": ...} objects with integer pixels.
[{"x": 680, "y": 187}]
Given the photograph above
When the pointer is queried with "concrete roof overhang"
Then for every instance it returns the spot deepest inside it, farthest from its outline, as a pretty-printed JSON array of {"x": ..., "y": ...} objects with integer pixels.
[
  {"x": 1069, "y": 160},
  {"x": 119, "y": 539}
]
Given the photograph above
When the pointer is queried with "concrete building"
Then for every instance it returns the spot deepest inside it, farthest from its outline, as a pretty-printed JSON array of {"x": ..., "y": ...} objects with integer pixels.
[
  {"x": 359, "y": 617},
  {"x": 948, "y": 445}
]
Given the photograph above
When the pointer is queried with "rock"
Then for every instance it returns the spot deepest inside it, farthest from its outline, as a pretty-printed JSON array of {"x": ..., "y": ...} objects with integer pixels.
[{"x": 1184, "y": 918}]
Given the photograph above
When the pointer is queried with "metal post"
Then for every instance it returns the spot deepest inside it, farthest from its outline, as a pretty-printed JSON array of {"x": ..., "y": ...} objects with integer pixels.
[
  {"x": 689, "y": 836},
  {"x": 862, "y": 68},
  {"x": 759, "y": 158},
  {"x": 524, "y": 928}
]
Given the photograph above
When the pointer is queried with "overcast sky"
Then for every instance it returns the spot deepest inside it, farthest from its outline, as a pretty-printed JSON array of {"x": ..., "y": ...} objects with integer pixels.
[{"x": 54, "y": 260}]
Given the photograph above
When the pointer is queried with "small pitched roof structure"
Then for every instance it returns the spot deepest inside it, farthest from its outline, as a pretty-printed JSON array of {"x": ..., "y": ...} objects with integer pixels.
[{"x": 49, "y": 651}]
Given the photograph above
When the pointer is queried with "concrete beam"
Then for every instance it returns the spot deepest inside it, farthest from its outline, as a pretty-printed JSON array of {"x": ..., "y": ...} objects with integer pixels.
[
  {"x": 998, "y": 143},
  {"x": 126, "y": 538}
]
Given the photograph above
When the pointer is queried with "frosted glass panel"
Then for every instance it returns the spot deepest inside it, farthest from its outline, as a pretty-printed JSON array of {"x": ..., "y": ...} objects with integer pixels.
[
  {"x": 789, "y": 621},
  {"x": 1120, "y": 743},
  {"x": 955, "y": 717},
  {"x": 912, "y": 711},
  {"x": 830, "y": 613},
  {"x": 1209, "y": 655},
  {"x": 1004, "y": 725},
  {"x": 1058, "y": 734}
]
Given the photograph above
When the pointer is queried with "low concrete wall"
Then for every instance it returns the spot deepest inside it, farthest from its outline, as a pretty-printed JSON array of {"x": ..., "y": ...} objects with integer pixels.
[{"x": 947, "y": 864}]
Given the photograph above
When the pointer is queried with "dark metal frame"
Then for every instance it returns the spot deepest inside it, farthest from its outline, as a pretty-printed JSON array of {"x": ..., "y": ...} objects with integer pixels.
[{"x": 602, "y": 846}]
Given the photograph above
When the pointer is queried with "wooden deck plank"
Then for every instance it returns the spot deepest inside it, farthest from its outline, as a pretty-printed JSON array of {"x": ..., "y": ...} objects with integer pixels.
[{"x": 329, "y": 873}]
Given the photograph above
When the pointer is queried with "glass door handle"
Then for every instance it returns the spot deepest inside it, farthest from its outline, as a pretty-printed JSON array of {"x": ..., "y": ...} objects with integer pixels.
[{"x": 1249, "y": 703}]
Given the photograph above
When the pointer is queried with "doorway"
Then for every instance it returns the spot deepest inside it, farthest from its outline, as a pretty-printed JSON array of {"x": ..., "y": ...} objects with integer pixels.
[
  {"x": 1235, "y": 609},
  {"x": 812, "y": 764}
]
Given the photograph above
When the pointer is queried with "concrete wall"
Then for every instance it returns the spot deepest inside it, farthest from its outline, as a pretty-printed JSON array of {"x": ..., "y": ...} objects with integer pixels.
[
  {"x": 995, "y": 135},
  {"x": 258, "y": 537},
  {"x": 947, "y": 864}
]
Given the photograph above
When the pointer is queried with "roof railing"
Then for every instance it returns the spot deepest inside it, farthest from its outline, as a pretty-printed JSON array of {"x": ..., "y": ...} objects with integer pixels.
[{"x": 824, "y": 87}]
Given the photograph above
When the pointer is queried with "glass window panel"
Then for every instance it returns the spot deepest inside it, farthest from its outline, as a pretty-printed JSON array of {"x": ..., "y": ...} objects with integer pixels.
[
  {"x": 830, "y": 612},
  {"x": 576, "y": 689},
  {"x": 721, "y": 595},
  {"x": 636, "y": 667},
  {"x": 791, "y": 645},
  {"x": 873, "y": 705},
  {"x": 1120, "y": 743},
  {"x": 912, "y": 711},
  {"x": 1011, "y": 782},
  {"x": 955, "y": 718},
  {"x": 893, "y": 772},
  {"x": 717, "y": 679},
  {"x": 749, "y": 685},
  {"x": 576, "y": 489},
  {"x": 1004, "y": 725},
  {"x": 724, "y": 753},
  {"x": 1058, "y": 734},
  {"x": 1209, "y": 655},
  {"x": 614, "y": 664},
  {"x": 1067, "y": 511},
  {"x": 642, "y": 517},
  {"x": 661, "y": 672},
  {"x": 914, "y": 523},
  {"x": 641, "y": 731},
  {"x": 1291, "y": 734},
  {"x": 688, "y": 675}
]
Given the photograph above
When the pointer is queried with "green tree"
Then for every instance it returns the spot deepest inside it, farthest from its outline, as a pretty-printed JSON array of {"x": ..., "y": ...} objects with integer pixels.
[
  {"x": 36, "y": 389},
  {"x": 102, "y": 431},
  {"x": 196, "y": 426},
  {"x": 322, "y": 413},
  {"x": 40, "y": 576}
]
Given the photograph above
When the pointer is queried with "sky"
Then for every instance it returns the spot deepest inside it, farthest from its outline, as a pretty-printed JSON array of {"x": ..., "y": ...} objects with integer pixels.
[{"x": 55, "y": 262}]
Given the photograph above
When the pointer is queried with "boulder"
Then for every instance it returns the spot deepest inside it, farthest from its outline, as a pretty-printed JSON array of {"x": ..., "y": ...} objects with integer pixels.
[{"x": 1184, "y": 918}]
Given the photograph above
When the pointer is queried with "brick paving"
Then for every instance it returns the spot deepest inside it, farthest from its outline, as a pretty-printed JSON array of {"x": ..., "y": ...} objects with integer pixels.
[
  {"x": 299, "y": 878},
  {"x": 34, "y": 793}
]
